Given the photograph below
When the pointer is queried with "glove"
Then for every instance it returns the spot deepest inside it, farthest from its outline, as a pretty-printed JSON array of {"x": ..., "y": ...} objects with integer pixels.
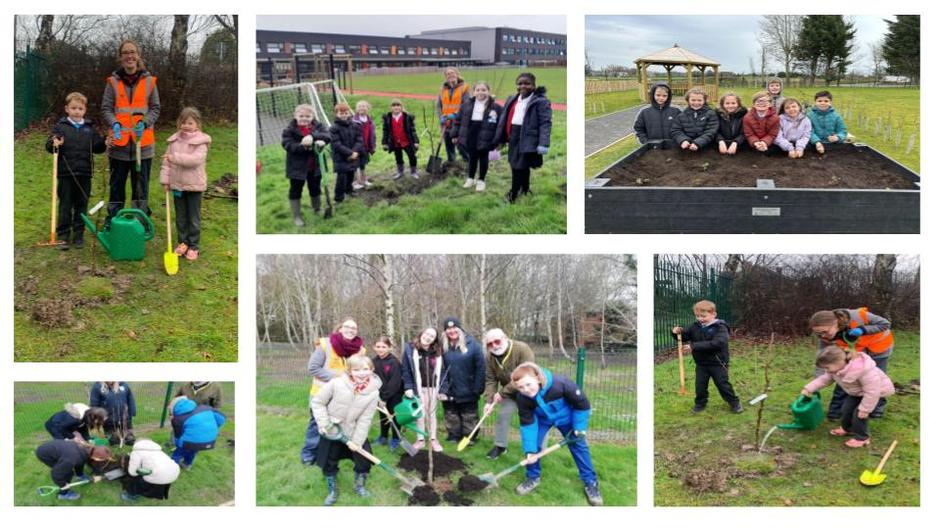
[
  {"x": 410, "y": 394},
  {"x": 580, "y": 433},
  {"x": 443, "y": 119},
  {"x": 177, "y": 193},
  {"x": 117, "y": 130},
  {"x": 320, "y": 144},
  {"x": 139, "y": 128},
  {"x": 442, "y": 397},
  {"x": 541, "y": 149},
  {"x": 855, "y": 333},
  {"x": 452, "y": 116},
  {"x": 307, "y": 141}
]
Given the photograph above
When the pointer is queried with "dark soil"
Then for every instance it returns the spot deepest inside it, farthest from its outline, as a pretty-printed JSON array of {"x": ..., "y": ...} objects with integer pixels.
[
  {"x": 838, "y": 169},
  {"x": 453, "y": 498},
  {"x": 52, "y": 313},
  {"x": 469, "y": 483},
  {"x": 386, "y": 188},
  {"x": 444, "y": 465},
  {"x": 224, "y": 187},
  {"x": 424, "y": 495}
]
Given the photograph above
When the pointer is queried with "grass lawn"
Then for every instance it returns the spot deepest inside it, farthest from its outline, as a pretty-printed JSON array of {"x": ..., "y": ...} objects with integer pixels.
[
  {"x": 444, "y": 207},
  {"x": 282, "y": 480},
  {"x": 701, "y": 459},
  {"x": 211, "y": 480},
  {"x": 502, "y": 81},
  {"x": 124, "y": 311},
  {"x": 596, "y": 105}
]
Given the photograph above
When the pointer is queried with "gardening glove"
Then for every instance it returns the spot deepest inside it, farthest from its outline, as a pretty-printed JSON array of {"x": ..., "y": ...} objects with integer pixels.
[
  {"x": 580, "y": 433},
  {"x": 541, "y": 149},
  {"x": 139, "y": 129},
  {"x": 410, "y": 394},
  {"x": 177, "y": 193},
  {"x": 443, "y": 119},
  {"x": 117, "y": 130},
  {"x": 307, "y": 141},
  {"x": 320, "y": 144},
  {"x": 855, "y": 333}
]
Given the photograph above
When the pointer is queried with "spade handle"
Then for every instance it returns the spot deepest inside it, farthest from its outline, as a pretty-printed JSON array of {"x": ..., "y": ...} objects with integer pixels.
[{"x": 884, "y": 458}]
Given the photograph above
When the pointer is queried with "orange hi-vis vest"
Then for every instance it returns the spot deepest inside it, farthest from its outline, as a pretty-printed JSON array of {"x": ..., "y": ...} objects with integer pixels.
[
  {"x": 334, "y": 363},
  {"x": 875, "y": 343},
  {"x": 451, "y": 98},
  {"x": 129, "y": 113}
]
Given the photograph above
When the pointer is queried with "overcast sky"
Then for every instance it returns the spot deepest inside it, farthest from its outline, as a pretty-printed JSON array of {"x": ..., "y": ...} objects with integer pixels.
[
  {"x": 730, "y": 40},
  {"x": 399, "y": 26}
]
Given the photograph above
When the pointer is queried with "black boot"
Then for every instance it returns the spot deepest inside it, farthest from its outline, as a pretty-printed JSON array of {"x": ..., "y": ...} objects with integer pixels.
[
  {"x": 332, "y": 493},
  {"x": 360, "y": 485},
  {"x": 295, "y": 210},
  {"x": 315, "y": 203}
]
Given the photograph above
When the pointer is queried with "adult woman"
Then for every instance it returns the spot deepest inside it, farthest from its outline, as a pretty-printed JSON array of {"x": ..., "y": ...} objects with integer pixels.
[
  {"x": 452, "y": 93},
  {"x": 130, "y": 106}
]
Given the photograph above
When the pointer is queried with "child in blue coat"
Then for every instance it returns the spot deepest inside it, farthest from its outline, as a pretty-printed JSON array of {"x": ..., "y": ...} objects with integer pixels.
[
  {"x": 195, "y": 428},
  {"x": 546, "y": 399},
  {"x": 828, "y": 126}
]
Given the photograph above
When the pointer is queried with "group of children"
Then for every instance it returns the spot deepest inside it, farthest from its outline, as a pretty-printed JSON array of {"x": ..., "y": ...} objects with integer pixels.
[
  {"x": 854, "y": 347},
  {"x": 81, "y": 434},
  {"x": 774, "y": 123},
  {"x": 75, "y": 140},
  {"x": 349, "y": 387},
  {"x": 480, "y": 127}
]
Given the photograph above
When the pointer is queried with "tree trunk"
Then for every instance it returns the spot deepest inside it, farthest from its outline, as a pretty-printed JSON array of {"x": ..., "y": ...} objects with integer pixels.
[
  {"x": 177, "y": 62},
  {"x": 883, "y": 282},
  {"x": 482, "y": 293},
  {"x": 387, "y": 282},
  {"x": 45, "y": 38}
]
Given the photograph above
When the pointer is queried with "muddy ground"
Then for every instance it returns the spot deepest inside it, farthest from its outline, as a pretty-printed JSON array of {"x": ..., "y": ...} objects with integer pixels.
[
  {"x": 839, "y": 169},
  {"x": 443, "y": 487},
  {"x": 94, "y": 287},
  {"x": 745, "y": 463}
]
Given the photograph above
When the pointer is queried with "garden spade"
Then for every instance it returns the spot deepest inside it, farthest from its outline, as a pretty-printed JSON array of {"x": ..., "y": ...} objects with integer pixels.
[
  {"x": 681, "y": 369},
  {"x": 405, "y": 443},
  {"x": 171, "y": 261},
  {"x": 873, "y": 478},
  {"x": 466, "y": 440},
  {"x": 55, "y": 207},
  {"x": 493, "y": 479},
  {"x": 46, "y": 490},
  {"x": 408, "y": 485},
  {"x": 321, "y": 160}
]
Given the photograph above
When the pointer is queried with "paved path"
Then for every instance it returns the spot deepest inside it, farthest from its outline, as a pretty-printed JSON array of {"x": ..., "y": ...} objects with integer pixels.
[
  {"x": 602, "y": 131},
  {"x": 433, "y": 97}
]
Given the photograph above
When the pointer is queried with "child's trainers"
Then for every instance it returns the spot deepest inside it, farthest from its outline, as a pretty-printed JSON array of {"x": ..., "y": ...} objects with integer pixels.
[
  {"x": 838, "y": 432},
  {"x": 381, "y": 440},
  {"x": 857, "y": 443},
  {"x": 436, "y": 446},
  {"x": 527, "y": 486},
  {"x": 393, "y": 444},
  {"x": 368, "y": 183},
  {"x": 129, "y": 497},
  {"x": 357, "y": 186},
  {"x": 698, "y": 409},
  {"x": 419, "y": 443},
  {"x": 82, "y": 477},
  {"x": 593, "y": 494},
  {"x": 181, "y": 249},
  {"x": 69, "y": 495},
  {"x": 192, "y": 254},
  {"x": 481, "y": 186},
  {"x": 468, "y": 183}
]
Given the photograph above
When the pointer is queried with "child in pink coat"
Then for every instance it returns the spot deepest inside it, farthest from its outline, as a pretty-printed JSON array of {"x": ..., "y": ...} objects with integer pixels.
[
  {"x": 857, "y": 374},
  {"x": 184, "y": 171}
]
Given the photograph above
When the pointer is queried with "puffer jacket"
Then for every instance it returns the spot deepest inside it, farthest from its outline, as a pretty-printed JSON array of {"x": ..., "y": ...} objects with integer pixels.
[
  {"x": 487, "y": 135},
  {"x": 66, "y": 423},
  {"x": 465, "y": 371},
  {"x": 387, "y": 142},
  {"x": 859, "y": 378},
  {"x": 825, "y": 124},
  {"x": 148, "y": 455},
  {"x": 119, "y": 402},
  {"x": 560, "y": 403},
  {"x": 794, "y": 132},
  {"x": 731, "y": 128},
  {"x": 81, "y": 144},
  {"x": 536, "y": 127},
  {"x": 695, "y": 126},
  {"x": 338, "y": 403},
  {"x": 499, "y": 369},
  {"x": 300, "y": 160},
  {"x": 655, "y": 122},
  {"x": 195, "y": 427},
  {"x": 184, "y": 162},
  {"x": 763, "y": 129},
  {"x": 709, "y": 343},
  {"x": 346, "y": 139}
]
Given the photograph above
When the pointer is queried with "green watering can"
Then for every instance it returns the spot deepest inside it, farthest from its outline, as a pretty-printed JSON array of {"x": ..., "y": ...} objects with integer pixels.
[
  {"x": 407, "y": 412},
  {"x": 807, "y": 413},
  {"x": 126, "y": 238}
]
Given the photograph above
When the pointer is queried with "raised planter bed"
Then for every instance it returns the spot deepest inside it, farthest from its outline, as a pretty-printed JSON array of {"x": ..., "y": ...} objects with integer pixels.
[{"x": 851, "y": 189}]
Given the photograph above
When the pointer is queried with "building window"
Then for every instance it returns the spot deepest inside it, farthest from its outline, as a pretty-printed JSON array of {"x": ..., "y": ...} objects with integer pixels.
[
  {"x": 425, "y": 51},
  {"x": 373, "y": 50},
  {"x": 275, "y": 47},
  {"x": 339, "y": 48},
  {"x": 411, "y": 51},
  {"x": 300, "y": 47},
  {"x": 384, "y": 50},
  {"x": 257, "y": 47},
  {"x": 316, "y": 48},
  {"x": 505, "y": 37}
]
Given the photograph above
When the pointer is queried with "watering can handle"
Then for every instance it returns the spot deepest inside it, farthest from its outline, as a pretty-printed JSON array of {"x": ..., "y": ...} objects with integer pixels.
[{"x": 142, "y": 218}]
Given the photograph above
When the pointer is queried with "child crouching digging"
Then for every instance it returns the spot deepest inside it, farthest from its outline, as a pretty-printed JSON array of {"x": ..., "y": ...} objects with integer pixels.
[
  {"x": 546, "y": 399},
  {"x": 349, "y": 403},
  {"x": 67, "y": 459},
  {"x": 857, "y": 374}
]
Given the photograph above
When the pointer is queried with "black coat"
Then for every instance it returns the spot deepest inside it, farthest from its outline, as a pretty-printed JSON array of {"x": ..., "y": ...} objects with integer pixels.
[
  {"x": 387, "y": 130},
  {"x": 696, "y": 126},
  {"x": 81, "y": 144},
  {"x": 427, "y": 363},
  {"x": 536, "y": 127},
  {"x": 709, "y": 344},
  {"x": 487, "y": 135},
  {"x": 114, "y": 402},
  {"x": 66, "y": 458},
  {"x": 731, "y": 128},
  {"x": 655, "y": 122},
  {"x": 301, "y": 160},
  {"x": 346, "y": 139},
  {"x": 63, "y": 426},
  {"x": 466, "y": 373},
  {"x": 388, "y": 370}
]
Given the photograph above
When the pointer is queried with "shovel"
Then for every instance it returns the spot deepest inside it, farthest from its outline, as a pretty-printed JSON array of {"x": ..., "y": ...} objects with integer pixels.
[
  {"x": 171, "y": 261},
  {"x": 872, "y": 478},
  {"x": 405, "y": 443},
  {"x": 55, "y": 207},
  {"x": 321, "y": 160},
  {"x": 408, "y": 485},
  {"x": 137, "y": 147},
  {"x": 493, "y": 479},
  {"x": 487, "y": 410},
  {"x": 47, "y": 490},
  {"x": 681, "y": 369}
]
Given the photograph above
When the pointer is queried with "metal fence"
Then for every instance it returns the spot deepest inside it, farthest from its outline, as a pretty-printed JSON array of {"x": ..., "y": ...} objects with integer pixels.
[
  {"x": 29, "y": 88},
  {"x": 676, "y": 288},
  {"x": 609, "y": 385}
]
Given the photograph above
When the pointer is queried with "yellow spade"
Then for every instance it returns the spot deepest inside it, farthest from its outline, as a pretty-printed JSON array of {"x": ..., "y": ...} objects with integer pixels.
[
  {"x": 171, "y": 261},
  {"x": 873, "y": 478},
  {"x": 487, "y": 410}
]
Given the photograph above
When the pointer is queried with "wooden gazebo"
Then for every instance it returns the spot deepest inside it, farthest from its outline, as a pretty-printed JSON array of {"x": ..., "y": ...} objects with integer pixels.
[{"x": 673, "y": 57}]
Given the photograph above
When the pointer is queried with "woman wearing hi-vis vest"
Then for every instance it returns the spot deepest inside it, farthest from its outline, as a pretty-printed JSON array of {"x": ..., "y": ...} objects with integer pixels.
[
  {"x": 451, "y": 96},
  {"x": 327, "y": 361},
  {"x": 130, "y": 106},
  {"x": 870, "y": 334}
]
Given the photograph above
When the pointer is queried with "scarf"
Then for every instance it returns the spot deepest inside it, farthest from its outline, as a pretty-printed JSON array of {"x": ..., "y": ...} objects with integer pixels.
[
  {"x": 357, "y": 387},
  {"x": 343, "y": 347}
]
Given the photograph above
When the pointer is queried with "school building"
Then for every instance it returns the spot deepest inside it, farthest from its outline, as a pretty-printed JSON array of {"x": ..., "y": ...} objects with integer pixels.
[{"x": 508, "y": 45}]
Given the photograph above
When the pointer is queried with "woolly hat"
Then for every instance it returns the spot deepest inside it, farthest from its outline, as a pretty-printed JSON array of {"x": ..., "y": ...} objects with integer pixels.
[{"x": 452, "y": 321}]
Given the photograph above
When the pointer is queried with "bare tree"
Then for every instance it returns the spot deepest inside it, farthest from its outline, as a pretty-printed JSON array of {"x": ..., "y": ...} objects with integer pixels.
[{"x": 780, "y": 35}]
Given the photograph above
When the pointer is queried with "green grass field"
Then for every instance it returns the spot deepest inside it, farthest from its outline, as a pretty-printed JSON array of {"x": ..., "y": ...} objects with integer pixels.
[
  {"x": 444, "y": 207},
  {"x": 862, "y": 108},
  {"x": 210, "y": 482},
  {"x": 282, "y": 480},
  {"x": 124, "y": 311},
  {"x": 596, "y": 105},
  {"x": 501, "y": 80},
  {"x": 699, "y": 459}
]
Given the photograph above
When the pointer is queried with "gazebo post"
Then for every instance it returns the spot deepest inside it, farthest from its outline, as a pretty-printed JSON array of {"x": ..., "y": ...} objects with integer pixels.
[
  {"x": 717, "y": 82},
  {"x": 644, "y": 81},
  {"x": 688, "y": 74},
  {"x": 669, "y": 68}
]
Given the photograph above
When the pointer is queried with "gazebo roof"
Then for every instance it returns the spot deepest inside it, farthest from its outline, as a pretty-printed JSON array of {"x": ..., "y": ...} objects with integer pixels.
[{"x": 677, "y": 55}]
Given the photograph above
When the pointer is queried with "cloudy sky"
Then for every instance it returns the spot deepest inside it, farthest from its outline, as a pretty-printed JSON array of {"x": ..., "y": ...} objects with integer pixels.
[
  {"x": 730, "y": 40},
  {"x": 398, "y": 26}
]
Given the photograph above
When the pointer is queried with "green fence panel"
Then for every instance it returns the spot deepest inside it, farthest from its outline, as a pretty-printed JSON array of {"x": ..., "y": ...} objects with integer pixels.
[{"x": 676, "y": 288}]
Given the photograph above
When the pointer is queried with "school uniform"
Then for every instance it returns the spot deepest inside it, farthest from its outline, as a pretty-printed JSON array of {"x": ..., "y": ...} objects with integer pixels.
[
  {"x": 525, "y": 124},
  {"x": 709, "y": 345},
  {"x": 476, "y": 127}
]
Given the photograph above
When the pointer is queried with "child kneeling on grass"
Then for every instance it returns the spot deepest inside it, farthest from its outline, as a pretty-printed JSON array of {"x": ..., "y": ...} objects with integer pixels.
[
  {"x": 695, "y": 127},
  {"x": 828, "y": 126},
  {"x": 195, "y": 429},
  {"x": 67, "y": 459},
  {"x": 707, "y": 340},
  {"x": 546, "y": 399},
  {"x": 150, "y": 471},
  {"x": 184, "y": 172},
  {"x": 76, "y": 421},
  {"x": 349, "y": 403},
  {"x": 302, "y": 137},
  {"x": 857, "y": 374}
]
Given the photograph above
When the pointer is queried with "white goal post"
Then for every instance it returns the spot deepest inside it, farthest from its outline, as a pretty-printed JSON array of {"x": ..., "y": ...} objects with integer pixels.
[{"x": 275, "y": 107}]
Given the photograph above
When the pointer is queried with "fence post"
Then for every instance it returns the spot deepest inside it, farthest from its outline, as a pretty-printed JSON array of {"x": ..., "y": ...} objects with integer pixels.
[
  {"x": 582, "y": 359},
  {"x": 166, "y": 402}
]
